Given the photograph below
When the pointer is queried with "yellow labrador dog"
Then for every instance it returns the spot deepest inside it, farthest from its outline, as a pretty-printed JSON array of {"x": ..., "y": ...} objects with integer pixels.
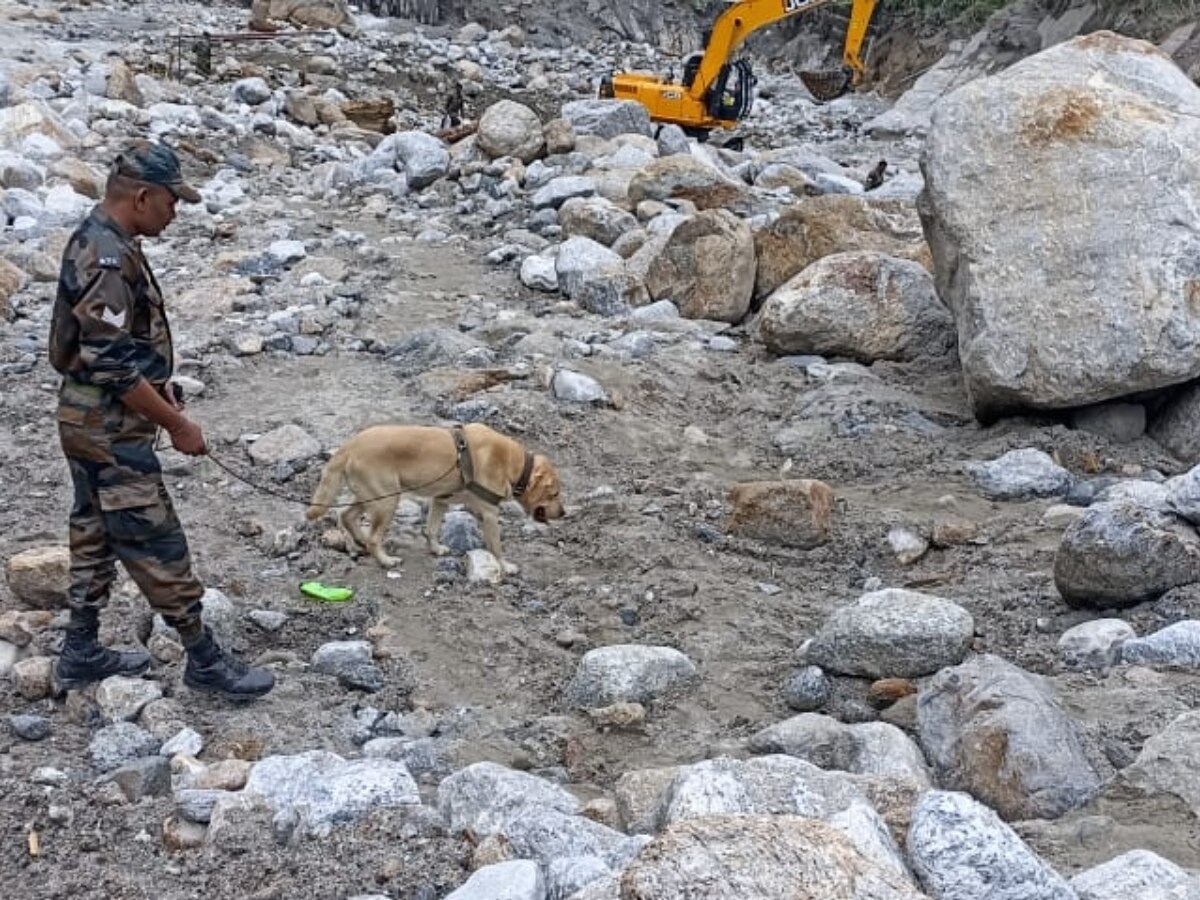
[{"x": 471, "y": 464}]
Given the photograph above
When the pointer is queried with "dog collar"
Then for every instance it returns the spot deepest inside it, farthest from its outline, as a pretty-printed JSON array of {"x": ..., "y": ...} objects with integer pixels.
[{"x": 466, "y": 469}]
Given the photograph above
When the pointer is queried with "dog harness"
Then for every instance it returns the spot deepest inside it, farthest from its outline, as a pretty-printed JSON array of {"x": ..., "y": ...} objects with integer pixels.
[{"x": 466, "y": 469}]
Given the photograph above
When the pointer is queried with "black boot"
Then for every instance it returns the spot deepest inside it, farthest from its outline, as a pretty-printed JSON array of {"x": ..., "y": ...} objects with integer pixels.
[
  {"x": 211, "y": 669},
  {"x": 84, "y": 660}
]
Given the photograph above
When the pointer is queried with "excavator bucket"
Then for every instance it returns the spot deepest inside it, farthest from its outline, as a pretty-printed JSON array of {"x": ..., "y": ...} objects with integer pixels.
[{"x": 827, "y": 85}]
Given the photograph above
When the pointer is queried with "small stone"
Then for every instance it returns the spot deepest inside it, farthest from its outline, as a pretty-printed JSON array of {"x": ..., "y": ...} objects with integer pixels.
[
  {"x": 251, "y": 91},
  {"x": 807, "y": 689},
  {"x": 886, "y": 691},
  {"x": 120, "y": 743},
  {"x": 33, "y": 677},
  {"x": 336, "y": 656},
  {"x": 574, "y": 387},
  {"x": 164, "y": 649},
  {"x": 268, "y": 620},
  {"x": 186, "y": 741},
  {"x": 1176, "y": 645},
  {"x": 907, "y": 545},
  {"x": 180, "y": 834},
  {"x": 619, "y": 715},
  {"x": 30, "y": 727},
  {"x": 460, "y": 532},
  {"x": 1094, "y": 645},
  {"x": 287, "y": 444},
  {"x": 483, "y": 568},
  {"x": 121, "y": 698},
  {"x": 1021, "y": 475},
  {"x": 50, "y": 777},
  {"x": 146, "y": 777},
  {"x": 39, "y": 577},
  {"x": 628, "y": 673}
]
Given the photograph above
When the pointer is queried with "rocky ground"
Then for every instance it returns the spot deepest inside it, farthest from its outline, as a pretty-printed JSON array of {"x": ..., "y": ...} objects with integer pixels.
[{"x": 804, "y": 625}]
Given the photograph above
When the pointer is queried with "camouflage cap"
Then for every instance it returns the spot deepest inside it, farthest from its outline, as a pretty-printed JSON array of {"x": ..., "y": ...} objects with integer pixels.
[{"x": 156, "y": 164}]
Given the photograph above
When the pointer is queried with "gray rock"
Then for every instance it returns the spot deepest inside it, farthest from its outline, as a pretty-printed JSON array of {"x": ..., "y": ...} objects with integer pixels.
[
  {"x": 269, "y": 620},
  {"x": 546, "y": 835},
  {"x": 286, "y": 252},
  {"x": 460, "y": 531},
  {"x": 39, "y": 577},
  {"x": 1175, "y": 645},
  {"x": 286, "y": 444},
  {"x": 424, "y": 757},
  {"x": 658, "y": 311},
  {"x": 483, "y": 796},
  {"x": 1183, "y": 495},
  {"x": 559, "y": 190},
  {"x": 121, "y": 699},
  {"x": 569, "y": 875},
  {"x": 146, "y": 777},
  {"x": 1177, "y": 425},
  {"x": 961, "y": 850},
  {"x": 607, "y": 118},
  {"x": 996, "y": 731},
  {"x": 509, "y": 128},
  {"x": 581, "y": 259},
  {"x": 1136, "y": 875},
  {"x": 863, "y": 305},
  {"x": 1095, "y": 645},
  {"x": 1120, "y": 554},
  {"x": 1121, "y": 423},
  {"x": 611, "y": 293},
  {"x": 331, "y": 658},
  {"x": 196, "y": 804},
  {"x": 672, "y": 141},
  {"x": 427, "y": 348},
  {"x": 759, "y": 857},
  {"x": 518, "y": 879},
  {"x": 10, "y": 655},
  {"x": 893, "y": 633},
  {"x": 540, "y": 273},
  {"x": 322, "y": 790},
  {"x": 251, "y": 91},
  {"x": 574, "y": 387},
  {"x": 628, "y": 673},
  {"x": 120, "y": 743},
  {"x": 422, "y": 157},
  {"x": 1020, "y": 475},
  {"x": 1169, "y": 763},
  {"x": 596, "y": 218},
  {"x": 16, "y": 172},
  {"x": 1022, "y": 342},
  {"x": 807, "y": 689},
  {"x": 186, "y": 741},
  {"x": 868, "y": 748},
  {"x": 29, "y": 727}
]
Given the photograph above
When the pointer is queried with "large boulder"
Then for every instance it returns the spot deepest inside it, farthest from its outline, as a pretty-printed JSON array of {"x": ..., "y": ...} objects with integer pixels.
[
  {"x": 758, "y": 857},
  {"x": 1136, "y": 875},
  {"x": 596, "y": 218},
  {"x": 822, "y": 226},
  {"x": 1061, "y": 297},
  {"x": 1169, "y": 763},
  {"x": 706, "y": 267},
  {"x": 306, "y": 13},
  {"x": 422, "y": 157},
  {"x": 997, "y": 732},
  {"x": 683, "y": 177},
  {"x": 607, "y": 118},
  {"x": 960, "y": 850},
  {"x": 893, "y": 633},
  {"x": 509, "y": 128},
  {"x": 864, "y": 305},
  {"x": 1121, "y": 553}
]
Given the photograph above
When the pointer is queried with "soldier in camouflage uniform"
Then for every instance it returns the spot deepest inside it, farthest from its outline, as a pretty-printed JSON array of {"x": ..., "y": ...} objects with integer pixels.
[{"x": 110, "y": 340}]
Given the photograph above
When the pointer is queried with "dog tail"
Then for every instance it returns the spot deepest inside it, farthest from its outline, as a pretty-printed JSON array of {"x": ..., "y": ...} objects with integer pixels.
[{"x": 329, "y": 487}]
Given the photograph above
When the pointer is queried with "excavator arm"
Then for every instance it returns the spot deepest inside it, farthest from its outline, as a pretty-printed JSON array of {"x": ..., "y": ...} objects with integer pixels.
[
  {"x": 745, "y": 17},
  {"x": 696, "y": 103}
]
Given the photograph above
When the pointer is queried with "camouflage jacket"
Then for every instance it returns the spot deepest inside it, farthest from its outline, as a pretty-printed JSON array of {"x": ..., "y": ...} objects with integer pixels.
[{"x": 109, "y": 327}]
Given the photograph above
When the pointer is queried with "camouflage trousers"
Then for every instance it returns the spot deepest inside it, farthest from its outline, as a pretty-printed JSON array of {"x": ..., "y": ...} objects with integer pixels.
[{"x": 122, "y": 511}]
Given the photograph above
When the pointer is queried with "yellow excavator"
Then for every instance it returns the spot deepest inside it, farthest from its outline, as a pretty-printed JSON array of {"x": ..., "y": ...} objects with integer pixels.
[{"x": 718, "y": 91}]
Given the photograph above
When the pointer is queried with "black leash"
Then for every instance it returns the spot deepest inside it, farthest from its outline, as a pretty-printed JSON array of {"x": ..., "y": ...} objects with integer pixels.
[{"x": 265, "y": 489}]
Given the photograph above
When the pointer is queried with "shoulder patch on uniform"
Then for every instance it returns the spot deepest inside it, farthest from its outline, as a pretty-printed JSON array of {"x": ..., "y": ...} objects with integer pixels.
[
  {"x": 109, "y": 262},
  {"x": 112, "y": 317}
]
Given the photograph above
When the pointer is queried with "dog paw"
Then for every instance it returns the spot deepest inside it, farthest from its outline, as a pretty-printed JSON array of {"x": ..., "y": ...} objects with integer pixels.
[{"x": 389, "y": 562}]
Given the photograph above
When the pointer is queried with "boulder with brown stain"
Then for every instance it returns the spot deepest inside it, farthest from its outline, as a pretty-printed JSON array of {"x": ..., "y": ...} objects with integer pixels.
[{"x": 796, "y": 513}]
